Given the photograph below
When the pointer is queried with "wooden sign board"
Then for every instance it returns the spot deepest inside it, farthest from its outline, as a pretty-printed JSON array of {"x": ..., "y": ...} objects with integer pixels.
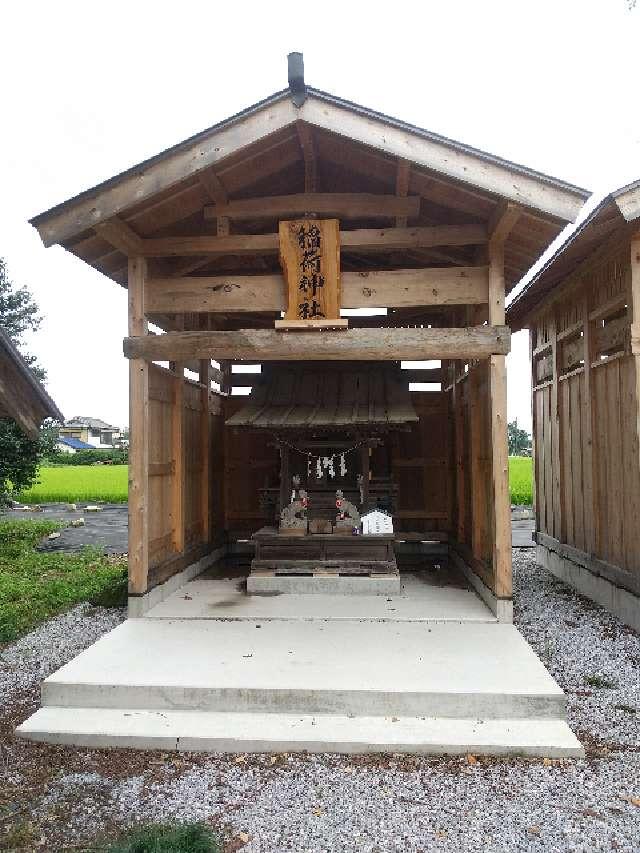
[{"x": 310, "y": 259}]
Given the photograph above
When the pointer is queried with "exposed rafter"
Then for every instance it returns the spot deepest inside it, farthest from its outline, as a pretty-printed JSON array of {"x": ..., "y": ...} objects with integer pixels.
[{"x": 305, "y": 136}]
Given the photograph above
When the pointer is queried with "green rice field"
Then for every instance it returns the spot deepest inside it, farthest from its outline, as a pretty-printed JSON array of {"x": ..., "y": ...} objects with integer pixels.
[
  {"x": 79, "y": 483},
  {"x": 521, "y": 479},
  {"x": 109, "y": 483}
]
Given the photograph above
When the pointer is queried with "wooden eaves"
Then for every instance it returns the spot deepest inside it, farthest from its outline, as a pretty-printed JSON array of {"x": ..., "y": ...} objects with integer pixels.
[
  {"x": 431, "y": 196},
  {"x": 22, "y": 397},
  {"x": 613, "y": 219}
]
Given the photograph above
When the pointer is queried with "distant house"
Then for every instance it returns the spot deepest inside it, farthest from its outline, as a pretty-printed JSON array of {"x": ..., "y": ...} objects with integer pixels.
[
  {"x": 65, "y": 444},
  {"x": 22, "y": 397},
  {"x": 91, "y": 431}
]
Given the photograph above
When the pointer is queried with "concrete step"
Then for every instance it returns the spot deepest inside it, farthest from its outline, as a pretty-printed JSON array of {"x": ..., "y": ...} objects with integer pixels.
[
  {"x": 445, "y": 670},
  {"x": 237, "y": 732}
]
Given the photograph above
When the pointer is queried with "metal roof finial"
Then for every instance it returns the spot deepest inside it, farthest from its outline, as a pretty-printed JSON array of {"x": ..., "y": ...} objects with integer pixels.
[{"x": 296, "y": 79}]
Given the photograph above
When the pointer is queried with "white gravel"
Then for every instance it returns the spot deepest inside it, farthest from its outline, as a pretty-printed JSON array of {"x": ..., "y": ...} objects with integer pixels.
[
  {"x": 25, "y": 663},
  {"x": 331, "y": 804}
]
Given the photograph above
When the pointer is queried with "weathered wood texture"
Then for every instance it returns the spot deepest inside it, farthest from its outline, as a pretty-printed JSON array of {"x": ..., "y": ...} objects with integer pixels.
[
  {"x": 351, "y": 345},
  {"x": 587, "y": 462},
  {"x": 379, "y": 289},
  {"x": 420, "y": 462},
  {"x": 310, "y": 261},
  {"x": 251, "y": 463},
  {"x": 243, "y": 245},
  {"x": 200, "y": 515}
]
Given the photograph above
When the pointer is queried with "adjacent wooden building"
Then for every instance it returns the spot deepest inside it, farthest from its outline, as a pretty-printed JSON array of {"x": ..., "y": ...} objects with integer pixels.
[
  {"x": 23, "y": 398},
  {"x": 432, "y": 231},
  {"x": 583, "y": 314}
]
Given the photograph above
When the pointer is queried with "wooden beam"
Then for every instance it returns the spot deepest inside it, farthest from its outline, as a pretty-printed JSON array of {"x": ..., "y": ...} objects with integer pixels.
[
  {"x": 378, "y": 289},
  {"x": 213, "y": 185},
  {"x": 447, "y": 159},
  {"x": 503, "y": 221},
  {"x": 403, "y": 172},
  {"x": 121, "y": 236},
  {"x": 362, "y": 239},
  {"x": 139, "y": 436},
  {"x": 342, "y": 205},
  {"x": 305, "y": 136},
  {"x": 256, "y": 345}
]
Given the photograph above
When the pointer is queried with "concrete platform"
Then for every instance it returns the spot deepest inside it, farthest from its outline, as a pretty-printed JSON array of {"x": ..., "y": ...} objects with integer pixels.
[
  {"x": 323, "y": 585},
  {"x": 277, "y": 685},
  {"x": 214, "y": 732},
  {"x": 420, "y": 599}
]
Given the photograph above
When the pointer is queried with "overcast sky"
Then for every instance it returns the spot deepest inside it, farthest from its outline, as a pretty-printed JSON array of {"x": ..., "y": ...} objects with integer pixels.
[{"x": 89, "y": 89}]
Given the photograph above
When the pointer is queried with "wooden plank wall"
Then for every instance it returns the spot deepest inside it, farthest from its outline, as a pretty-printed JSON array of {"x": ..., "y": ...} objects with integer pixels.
[
  {"x": 421, "y": 465},
  {"x": 585, "y": 405},
  {"x": 201, "y": 534},
  {"x": 473, "y": 503},
  {"x": 252, "y": 462}
]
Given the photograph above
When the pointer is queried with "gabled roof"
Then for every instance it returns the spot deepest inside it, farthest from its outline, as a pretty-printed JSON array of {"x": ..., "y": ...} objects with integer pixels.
[
  {"x": 613, "y": 214},
  {"x": 92, "y": 423},
  {"x": 261, "y": 152},
  {"x": 312, "y": 397},
  {"x": 22, "y": 397},
  {"x": 75, "y": 443}
]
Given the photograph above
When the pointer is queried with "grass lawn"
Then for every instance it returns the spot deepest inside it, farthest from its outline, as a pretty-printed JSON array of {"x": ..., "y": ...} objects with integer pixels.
[
  {"x": 520, "y": 479},
  {"x": 35, "y": 585},
  {"x": 79, "y": 483}
]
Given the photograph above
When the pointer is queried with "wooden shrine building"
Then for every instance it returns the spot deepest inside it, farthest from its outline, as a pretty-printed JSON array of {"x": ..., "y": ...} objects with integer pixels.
[
  {"x": 23, "y": 398},
  {"x": 246, "y": 245},
  {"x": 583, "y": 314}
]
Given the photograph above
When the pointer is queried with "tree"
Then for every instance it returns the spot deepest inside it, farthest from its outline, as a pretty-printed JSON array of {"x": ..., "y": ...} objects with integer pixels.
[
  {"x": 20, "y": 456},
  {"x": 519, "y": 440},
  {"x": 19, "y": 314}
]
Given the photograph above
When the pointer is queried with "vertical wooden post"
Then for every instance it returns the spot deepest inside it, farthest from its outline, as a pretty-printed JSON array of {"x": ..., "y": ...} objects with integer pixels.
[
  {"x": 476, "y": 464},
  {"x": 534, "y": 462},
  {"x": 635, "y": 329},
  {"x": 458, "y": 430},
  {"x": 559, "y": 520},
  {"x": 139, "y": 437},
  {"x": 178, "y": 454},
  {"x": 590, "y": 450},
  {"x": 499, "y": 447},
  {"x": 205, "y": 449}
]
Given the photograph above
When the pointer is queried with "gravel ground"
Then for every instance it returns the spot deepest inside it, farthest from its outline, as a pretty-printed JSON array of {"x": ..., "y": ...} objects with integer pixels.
[{"x": 55, "y": 797}]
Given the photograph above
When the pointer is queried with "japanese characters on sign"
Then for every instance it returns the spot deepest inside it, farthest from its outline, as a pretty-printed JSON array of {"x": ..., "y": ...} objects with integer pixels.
[
  {"x": 311, "y": 278},
  {"x": 309, "y": 254}
]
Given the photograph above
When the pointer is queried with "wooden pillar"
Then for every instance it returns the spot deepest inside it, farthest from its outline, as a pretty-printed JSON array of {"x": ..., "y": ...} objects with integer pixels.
[
  {"x": 499, "y": 446},
  {"x": 458, "y": 444},
  {"x": 476, "y": 464},
  {"x": 559, "y": 521},
  {"x": 590, "y": 450},
  {"x": 635, "y": 328},
  {"x": 205, "y": 449},
  {"x": 178, "y": 455},
  {"x": 139, "y": 436}
]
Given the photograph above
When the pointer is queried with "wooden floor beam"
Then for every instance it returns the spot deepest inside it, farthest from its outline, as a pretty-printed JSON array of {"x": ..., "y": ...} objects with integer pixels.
[{"x": 256, "y": 345}]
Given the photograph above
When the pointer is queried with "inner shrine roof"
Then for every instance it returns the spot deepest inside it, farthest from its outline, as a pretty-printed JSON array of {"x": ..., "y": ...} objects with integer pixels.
[{"x": 308, "y": 397}]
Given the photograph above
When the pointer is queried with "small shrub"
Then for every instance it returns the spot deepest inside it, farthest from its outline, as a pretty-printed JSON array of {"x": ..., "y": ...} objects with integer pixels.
[
  {"x": 600, "y": 682},
  {"x": 158, "y": 838}
]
